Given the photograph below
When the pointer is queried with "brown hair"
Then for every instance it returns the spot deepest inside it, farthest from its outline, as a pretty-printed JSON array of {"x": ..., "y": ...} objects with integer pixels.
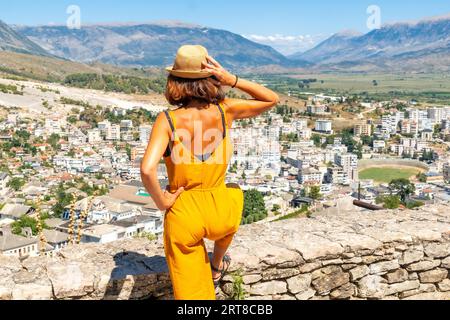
[{"x": 181, "y": 92}]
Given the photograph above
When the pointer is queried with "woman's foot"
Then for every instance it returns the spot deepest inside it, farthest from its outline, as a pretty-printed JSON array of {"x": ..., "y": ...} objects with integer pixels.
[{"x": 220, "y": 272}]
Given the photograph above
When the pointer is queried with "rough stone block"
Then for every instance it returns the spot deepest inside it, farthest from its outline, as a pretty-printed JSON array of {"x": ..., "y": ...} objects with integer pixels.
[
  {"x": 359, "y": 272},
  {"x": 300, "y": 283},
  {"x": 433, "y": 276},
  {"x": 437, "y": 250},
  {"x": 373, "y": 287},
  {"x": 383, "y": 267},
  {"x": 268, "y": 288},
  {"x": 423, "y": 265},
  {"x": 397, "y": 276},
  {"x": 329, "y": 279}
]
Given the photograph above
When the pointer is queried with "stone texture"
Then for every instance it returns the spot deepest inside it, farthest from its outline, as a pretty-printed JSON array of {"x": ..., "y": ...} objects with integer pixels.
[
  {"x": 308, "y": 294},
  {"x": 444, "y": 285},
  {"x": 411, "y": 256},
  {"x": 423, "y": 265},
  {"x": 430, "y": 296},
  {"x": 372, "y": 286},
  {"x": 413, "y": 276},
  {"x": 332, "y": 262},
  {"x": 329, "y": 278},
  {"x": 446, "y": 263},
  {"x": 437, "y": 250},
  {"x": 345, "y": 292},
  {"x": 268, "y": 288},
  {"x": 272, "y": 274},
  {"x": 383, "y": 267},
  {"x": 397, "y": 276},
  {"x": 251, "y": 278},
  {"x": 423, "y": 288},
  {"x": 328, "y": 256},
  {"x": 359, "y": 272},
  {"x": 433, "y": 276},
  {"x": 308, "y": 267},
  {"x": 402, "y": 286},
  {"x": 298, "y": 284}
]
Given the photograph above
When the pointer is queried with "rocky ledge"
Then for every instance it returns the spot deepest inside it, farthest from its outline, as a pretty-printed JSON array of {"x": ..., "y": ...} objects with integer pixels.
[{"x": 357, "y": 255}]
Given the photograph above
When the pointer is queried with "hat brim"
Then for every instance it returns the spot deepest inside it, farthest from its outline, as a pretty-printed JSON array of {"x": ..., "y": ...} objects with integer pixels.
[{"x": 189, "y": 74}]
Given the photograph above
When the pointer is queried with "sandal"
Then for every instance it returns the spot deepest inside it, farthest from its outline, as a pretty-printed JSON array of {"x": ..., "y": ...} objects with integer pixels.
[{"x": 226, "y": 265}]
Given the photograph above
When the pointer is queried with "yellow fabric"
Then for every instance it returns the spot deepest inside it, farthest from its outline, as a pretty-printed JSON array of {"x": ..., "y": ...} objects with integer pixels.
[{"x": 208, "y": 209}]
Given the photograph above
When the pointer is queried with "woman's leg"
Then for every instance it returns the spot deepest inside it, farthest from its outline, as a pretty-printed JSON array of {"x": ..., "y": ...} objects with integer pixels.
[
  {"x": 235, "y": 198},
  {"x": 187, "y": 259},
  {"x": 220, "y": 249}
]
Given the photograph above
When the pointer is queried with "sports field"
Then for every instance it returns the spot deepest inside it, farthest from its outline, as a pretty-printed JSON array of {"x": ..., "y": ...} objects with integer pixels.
[{"x": 386, "y": 174}]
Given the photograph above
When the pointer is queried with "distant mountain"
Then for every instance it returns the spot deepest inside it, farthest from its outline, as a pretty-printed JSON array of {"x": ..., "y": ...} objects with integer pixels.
[
  {"x": 150, "y": 44},
  {"x": 398, "y": 46},
  {"x": 10, "y": 40},
  {"x": 327, "y": 48}
]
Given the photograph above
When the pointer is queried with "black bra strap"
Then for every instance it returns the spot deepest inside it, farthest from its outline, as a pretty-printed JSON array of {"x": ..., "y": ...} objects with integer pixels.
[
  {"x": 224, "y": 123},
  {"x": 172, "y": 127}
]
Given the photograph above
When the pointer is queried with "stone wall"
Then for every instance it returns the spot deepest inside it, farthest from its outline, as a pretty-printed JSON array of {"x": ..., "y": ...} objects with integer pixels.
[{"x": 348, "y": 255}]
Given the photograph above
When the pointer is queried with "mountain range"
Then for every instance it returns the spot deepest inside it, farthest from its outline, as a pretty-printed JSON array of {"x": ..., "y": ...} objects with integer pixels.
[
  {"x": 142, "y": 45},
  {"x": 418, "y": 47},
  {"x": 10, "y": 40}
]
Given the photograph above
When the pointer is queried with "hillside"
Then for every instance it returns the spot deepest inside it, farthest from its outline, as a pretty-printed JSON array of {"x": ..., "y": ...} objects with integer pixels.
[
  {"x": 150, "y": 44},
  {"x": 10, "y": 40},
  {"x": 56, "y": 70},
  {"x": 420, "y": 46}
]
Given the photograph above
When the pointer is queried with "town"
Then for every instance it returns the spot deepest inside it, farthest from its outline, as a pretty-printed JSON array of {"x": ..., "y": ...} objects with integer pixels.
[{"x": 75, "y": 178}]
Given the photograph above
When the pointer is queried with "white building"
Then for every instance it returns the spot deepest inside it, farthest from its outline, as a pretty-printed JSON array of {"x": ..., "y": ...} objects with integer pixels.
[
  {"x": 94, "y": 136},
  {"x": 104, "y": 127},
  {"x": 436, "y": 115},
  {"x": 310, "y": 176},
  {"x": 144, "y": 134},
  {"x": 324, "y": 126},
  {"x": 113, "y": 133},
  {"x": 379, "y": 145},
  {"x": 347, "y": 160}
]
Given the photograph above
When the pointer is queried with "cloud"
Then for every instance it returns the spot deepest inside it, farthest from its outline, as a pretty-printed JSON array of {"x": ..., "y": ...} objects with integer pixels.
[{"x": 288, "y": 44}]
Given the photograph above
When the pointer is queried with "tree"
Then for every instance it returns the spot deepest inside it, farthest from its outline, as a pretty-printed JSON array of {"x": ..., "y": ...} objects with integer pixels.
[
  {"x": 389, "y": 202},
  {"x": 26, "y": 222},
  {"x": 314, "y": 193},
  {"x": 422, "y": 177},
  {"x": 317, "y": 140},
  {"x": 16, "y": 184},
  {"x": 403, "y": 188},
  {"x": 427, "y": 156},
  {"x": 63, "y": 199},
  {"x": 254, "y": 207},
  {"x": 276, "y": 208},
  {"x": 53, "y": 140}
]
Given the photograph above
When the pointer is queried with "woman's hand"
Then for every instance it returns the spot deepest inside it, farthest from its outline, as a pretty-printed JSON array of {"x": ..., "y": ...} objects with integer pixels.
[
  {"x": 169, "y": 199},
  {"x": 225, "y": 78}
]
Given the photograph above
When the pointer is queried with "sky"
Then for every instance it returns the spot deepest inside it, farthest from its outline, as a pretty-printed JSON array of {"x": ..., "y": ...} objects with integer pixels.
[{"x": 287, "y": 25}]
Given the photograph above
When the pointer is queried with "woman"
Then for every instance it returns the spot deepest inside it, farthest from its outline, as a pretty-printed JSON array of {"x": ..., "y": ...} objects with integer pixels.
[{"x": 194, "y": 141}]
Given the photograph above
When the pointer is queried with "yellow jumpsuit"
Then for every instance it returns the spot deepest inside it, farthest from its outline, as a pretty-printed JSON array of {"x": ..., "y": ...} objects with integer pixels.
[{"x": 208, "y": 209}]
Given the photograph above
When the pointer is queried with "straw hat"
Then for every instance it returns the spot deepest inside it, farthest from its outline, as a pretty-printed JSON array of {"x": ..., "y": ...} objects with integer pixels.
[{"x": 188, "y": 63}]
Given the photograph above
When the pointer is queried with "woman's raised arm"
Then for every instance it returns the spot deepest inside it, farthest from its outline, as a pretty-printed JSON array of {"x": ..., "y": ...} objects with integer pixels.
[{"x": 263, "y": 98}]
